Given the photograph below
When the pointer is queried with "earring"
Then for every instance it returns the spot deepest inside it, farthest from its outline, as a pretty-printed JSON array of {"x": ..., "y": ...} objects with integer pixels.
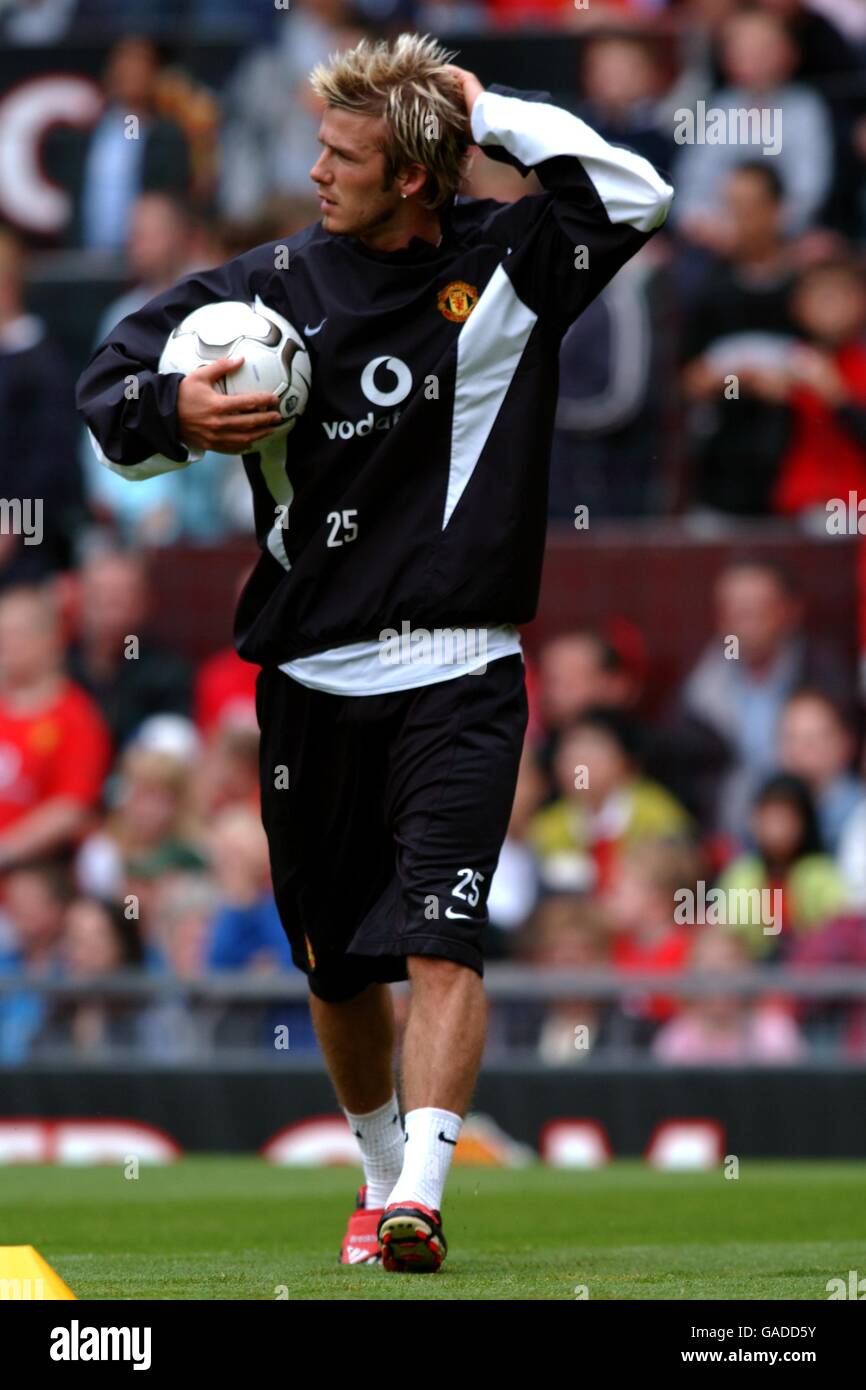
[{"x": 402, "y": 195}]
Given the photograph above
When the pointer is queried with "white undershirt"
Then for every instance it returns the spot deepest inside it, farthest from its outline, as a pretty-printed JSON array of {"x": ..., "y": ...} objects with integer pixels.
[{"x": 380, "y": 668}]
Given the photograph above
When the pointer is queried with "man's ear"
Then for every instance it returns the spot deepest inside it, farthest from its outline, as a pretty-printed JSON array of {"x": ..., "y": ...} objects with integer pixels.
[{"x": 411, "y": 180}]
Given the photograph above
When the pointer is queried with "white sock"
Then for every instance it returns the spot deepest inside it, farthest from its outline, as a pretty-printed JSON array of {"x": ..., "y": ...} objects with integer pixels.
[
  {"x": 380, "y": 1139},
  {"x": 431, "y": 1137}
]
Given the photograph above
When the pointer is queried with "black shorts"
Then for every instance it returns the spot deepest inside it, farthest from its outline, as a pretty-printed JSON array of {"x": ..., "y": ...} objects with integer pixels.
[{"x": 385, "y": 816}]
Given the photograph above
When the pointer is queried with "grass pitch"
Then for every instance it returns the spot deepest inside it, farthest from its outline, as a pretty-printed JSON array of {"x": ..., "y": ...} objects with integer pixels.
[{"x": 237, "y": 1228}]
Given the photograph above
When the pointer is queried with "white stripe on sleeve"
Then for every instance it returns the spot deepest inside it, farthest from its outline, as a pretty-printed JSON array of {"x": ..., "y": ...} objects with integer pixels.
[
  {"x": 627, "y": 184},
  {"x": 148, "y": 468}
]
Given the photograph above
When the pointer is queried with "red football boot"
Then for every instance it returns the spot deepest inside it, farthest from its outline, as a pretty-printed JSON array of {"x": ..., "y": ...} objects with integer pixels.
[
  {"x": 361, "y": 1241},
  {"x": 411, "y": 1239}
]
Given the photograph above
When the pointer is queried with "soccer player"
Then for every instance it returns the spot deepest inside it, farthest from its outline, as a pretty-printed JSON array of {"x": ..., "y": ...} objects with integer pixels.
[{"x": 383, "y": 607}]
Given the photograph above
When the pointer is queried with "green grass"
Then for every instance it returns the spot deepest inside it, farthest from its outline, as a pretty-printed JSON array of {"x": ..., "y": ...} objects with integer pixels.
[{"x": 228, "y": 1228}]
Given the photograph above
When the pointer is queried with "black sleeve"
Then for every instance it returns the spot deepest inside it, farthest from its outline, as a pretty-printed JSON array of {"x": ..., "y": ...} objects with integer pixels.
[
  {"x": 128, "y": 406},
  {"x": 602, "y": 202}
]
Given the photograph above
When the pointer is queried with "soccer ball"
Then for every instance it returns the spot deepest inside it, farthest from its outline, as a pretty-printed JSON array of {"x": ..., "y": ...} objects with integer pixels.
[{"x": 275, "y": 355}]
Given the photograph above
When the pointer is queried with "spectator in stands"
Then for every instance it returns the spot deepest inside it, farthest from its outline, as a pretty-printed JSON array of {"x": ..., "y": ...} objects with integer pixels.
[
  {"x": 639, "y": 904},
  {"x": 739, "y": 326},
  {"x": 759, "y": 57},
  {"x": 621, "y": 81},
  {"x": 725, "y": 1028},
  {"x": 150, "y": 830},
  {"x": 31, "y": 929},
  {"x": 227, "y": 772},
  {"x": 181, "y": 927},
  {"x": 738, "y": 688},
  {"x": 817, "y": 743},
  {"x": 580, "y": 669},
  {"x": 225, "y": 691},
  {"x": 54, "y": 746},
  {"x": 224, "y": 694},
  {"x": 533, "y": 14},
  {"x": 852, "y": 858},
  {"x": 825, "y": 33},
  {"x": 38, "y": 469},
  {"x": 131, "y": 150},
  {"x": 33, "y": 23},
  {"x": 568, "y": 933},
  {"x": 99, "y": 939},
  {"x": 223, "y": 20},
  {"x": 514, "y": 888},
  {"x": 614, "y": 397},
  {"x": 840, "y": 945},
  {"x": 615, "y": 378},
  {"x": 823, "y": 380},
  {"x": 165, "y": 242},
  {"x": 270, "y": 146},
  {"x": 99, "y": 19},
  {"x": 452, "y": 16},
  {"x": 129, "y": 674},
  {"x": 787, "y": 859},
  {"x": 604, "y": 805},
  {"x": 179, "y": 932},
  {"x": 246, "y": 932}
]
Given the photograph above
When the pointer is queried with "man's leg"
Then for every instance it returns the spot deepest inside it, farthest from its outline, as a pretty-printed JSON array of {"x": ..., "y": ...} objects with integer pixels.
[
  {"x": 444, "y": 1036},
  {"x": 357, "y": 1040},
  {"x": 441, "y": 1056}
]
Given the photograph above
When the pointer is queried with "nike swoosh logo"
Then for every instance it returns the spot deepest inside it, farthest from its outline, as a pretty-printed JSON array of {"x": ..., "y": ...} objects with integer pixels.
[
  {"x": 311, "y": 332},
  {"x": 449, "y": 912},
  {"x": 445, "y": 1139}
]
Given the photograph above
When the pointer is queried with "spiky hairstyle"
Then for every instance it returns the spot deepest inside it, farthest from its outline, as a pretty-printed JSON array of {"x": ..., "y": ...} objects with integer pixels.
[{"x": 423, "y": 107}]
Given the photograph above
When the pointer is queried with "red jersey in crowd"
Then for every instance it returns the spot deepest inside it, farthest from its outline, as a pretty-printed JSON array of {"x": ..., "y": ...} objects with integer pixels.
[
  {"x": 225, "y": 691},
  {"x": 824, "y": 459},
  {"x": 64, "y": 750},
  {"x": 668, "y": 953}
]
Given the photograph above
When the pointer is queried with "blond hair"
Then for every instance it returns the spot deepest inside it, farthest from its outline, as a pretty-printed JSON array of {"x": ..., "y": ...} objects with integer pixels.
[{"x": 423, "y": 107}]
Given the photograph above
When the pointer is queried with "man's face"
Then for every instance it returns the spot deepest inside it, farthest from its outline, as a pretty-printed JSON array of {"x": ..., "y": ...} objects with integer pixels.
[
  {"x": 158, "y": 240},
  {"x": 753, "y": 606},
  {"x": 350, "y": 174},
  {"x": 571, "y": 677},
  {"x": 29, "y": 643},
  {"x": 754, "y": 212},
  {"x": 813, "y": 743},
  {"x": 113, "y": 597}
]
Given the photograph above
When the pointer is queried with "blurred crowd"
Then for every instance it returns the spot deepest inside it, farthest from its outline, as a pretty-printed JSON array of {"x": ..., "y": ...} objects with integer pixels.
[
  {"x": 130, "y": 836},
  {"x": 721, "y": 375},
  {"x": 721, "y": 379},
  {"x": 748, "y": 791}
]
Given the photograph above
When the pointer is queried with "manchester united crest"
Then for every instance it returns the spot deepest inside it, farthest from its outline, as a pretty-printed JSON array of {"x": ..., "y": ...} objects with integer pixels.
[{"x": 457, "y": 301}]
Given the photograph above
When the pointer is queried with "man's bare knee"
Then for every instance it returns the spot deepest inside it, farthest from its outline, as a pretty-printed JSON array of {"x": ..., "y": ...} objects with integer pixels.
[{"x": 437, "y": 973}]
